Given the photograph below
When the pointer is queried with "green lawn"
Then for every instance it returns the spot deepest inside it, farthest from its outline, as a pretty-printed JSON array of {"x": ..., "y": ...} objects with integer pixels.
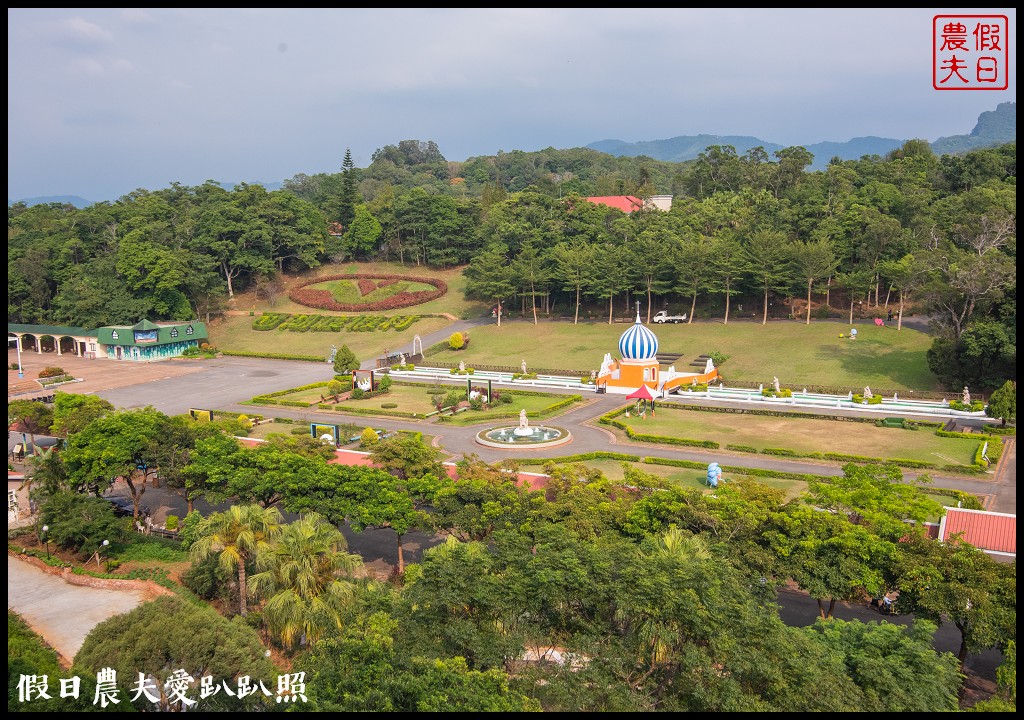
[
  {"x": 797, "y": 354},
  {"x": 806, "y": 435},
  {"x": 503, "y": 414},
  {"x": 415, "y": 398},
  {"x": 234, "y": 332}
]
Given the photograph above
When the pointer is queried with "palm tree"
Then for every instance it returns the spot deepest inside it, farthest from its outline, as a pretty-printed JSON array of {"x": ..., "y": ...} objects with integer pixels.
[
  {"x": 301, "y": 573},
  {"x": 237, "y": 535}
]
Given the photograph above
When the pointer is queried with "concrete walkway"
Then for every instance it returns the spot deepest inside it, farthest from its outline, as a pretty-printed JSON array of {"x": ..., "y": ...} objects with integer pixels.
[{"x": 63, "y": 613}]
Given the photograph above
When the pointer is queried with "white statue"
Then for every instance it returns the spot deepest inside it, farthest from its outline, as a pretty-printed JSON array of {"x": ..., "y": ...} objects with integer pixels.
[
  {"x": 967, "y": 396},
  {"x": 606, "y": 364},
  {"x": 895, "y": 397},
  {"x": 462, "y": 366},
  {"x": 775, "y": 382},
  {"x": 401, "y": 358},
  {"x": 523, "y": 366},
  {"x": 523, "y": 423},
  {"x": 867, "y": 392}
]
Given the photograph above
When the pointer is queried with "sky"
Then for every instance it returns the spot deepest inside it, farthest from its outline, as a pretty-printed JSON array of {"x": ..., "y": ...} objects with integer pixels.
[{"x": 102, "y": 102}]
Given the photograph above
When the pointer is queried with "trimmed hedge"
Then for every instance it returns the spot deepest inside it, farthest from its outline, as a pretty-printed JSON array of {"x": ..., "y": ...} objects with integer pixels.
[
  {"x": 366, "y": 411},
  {"x": 595, "y": 455},
  {"x": 274, "y": 356}
]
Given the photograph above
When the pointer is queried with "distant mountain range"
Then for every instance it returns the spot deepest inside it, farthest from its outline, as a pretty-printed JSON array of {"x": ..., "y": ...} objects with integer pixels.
[
  {"x": 993, "y": 128},
  {"x": 80, "y": 202}
]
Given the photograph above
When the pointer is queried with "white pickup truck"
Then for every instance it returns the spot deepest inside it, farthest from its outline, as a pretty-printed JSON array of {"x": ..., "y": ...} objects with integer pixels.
[{"x": 663, "y": 317}]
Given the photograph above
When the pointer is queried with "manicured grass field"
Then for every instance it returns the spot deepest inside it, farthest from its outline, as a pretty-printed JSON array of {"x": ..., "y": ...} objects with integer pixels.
[
  {"x": 509, "y": 414},
  {"x": 234, "y": 332},
  {"x": 798, "y": 354},
  {"x": 415, "y": 398},
  {"x": 806, "y": 435}
]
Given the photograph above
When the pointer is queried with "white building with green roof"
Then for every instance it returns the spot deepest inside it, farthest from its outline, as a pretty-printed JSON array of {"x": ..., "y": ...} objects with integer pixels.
[{"x": 144, "y": 341}]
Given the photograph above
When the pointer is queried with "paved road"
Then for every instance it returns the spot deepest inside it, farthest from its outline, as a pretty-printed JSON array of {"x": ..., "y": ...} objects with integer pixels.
[{"x": 60, "y": 612}]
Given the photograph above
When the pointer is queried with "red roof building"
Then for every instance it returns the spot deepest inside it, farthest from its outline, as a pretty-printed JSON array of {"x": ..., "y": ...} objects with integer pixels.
[
  {"x": 992, "y": 532},
  {"x": 625, "y": 203}
]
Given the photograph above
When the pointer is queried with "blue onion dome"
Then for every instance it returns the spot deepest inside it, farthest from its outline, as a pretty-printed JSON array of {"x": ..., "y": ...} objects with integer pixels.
[{"x": 638, "y": 343}]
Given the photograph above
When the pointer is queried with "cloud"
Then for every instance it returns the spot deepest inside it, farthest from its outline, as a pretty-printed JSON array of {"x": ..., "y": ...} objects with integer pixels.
[{"x": 85, "y": 34}]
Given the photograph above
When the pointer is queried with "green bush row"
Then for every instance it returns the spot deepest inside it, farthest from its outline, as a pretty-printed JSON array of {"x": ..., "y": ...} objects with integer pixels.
[
  {"x": 52, "y": 560},
  {"x": 971, "y": 502},
  {"x": 366, "y": 411},
  {"x": 274, "y": 356},
  {"x": 595, "y": 455},
  {"x": 754, "y": 472},
  {"x": 968, "y": 436},
  {"x": 266, "y": 400}
]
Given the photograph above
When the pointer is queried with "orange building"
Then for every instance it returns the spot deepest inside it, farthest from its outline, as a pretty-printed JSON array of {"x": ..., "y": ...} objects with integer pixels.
[{"x": 638, "y": 365}]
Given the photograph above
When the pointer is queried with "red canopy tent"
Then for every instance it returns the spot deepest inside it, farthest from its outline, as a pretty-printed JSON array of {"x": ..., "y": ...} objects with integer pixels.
[{"x": 642, "y": 393}]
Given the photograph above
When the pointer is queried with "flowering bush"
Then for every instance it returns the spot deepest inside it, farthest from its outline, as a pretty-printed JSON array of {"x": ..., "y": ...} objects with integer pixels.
[{"x": 51, "y": 372}]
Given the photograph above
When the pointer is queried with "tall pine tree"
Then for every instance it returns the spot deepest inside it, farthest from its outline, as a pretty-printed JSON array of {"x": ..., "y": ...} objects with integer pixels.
[{"x": 349, "y": 191}]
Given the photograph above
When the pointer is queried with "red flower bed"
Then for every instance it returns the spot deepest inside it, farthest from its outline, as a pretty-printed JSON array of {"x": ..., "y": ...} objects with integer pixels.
[
  {"x": 385, "y": 283},
  {"x": 322, "y": 299},
  {"x": 366, "y": 286}
]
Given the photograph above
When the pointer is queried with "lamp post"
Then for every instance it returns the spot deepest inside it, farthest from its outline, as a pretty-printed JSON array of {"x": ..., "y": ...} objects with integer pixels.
[
  {"x": 46, "y": 536},
  {"x": 99, "y": 550}
]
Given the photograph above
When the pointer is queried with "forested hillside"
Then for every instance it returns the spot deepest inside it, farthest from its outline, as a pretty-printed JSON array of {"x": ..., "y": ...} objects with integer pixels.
[{"x": 743, "y": 230}]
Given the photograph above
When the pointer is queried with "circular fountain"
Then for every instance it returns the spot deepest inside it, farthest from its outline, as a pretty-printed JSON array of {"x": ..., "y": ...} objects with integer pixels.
[
  {"x": 512, "y": 438},
  {"x": 523, "y": 436}
]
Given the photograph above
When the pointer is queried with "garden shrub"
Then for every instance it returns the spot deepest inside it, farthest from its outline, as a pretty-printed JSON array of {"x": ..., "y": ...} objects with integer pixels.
[
  {"x": 388, "y": 406},
  {"x": 51, "y": 372},
  {"x": 172, "y": 522},
  {"x": 358, "y": 393},
  {"x": 455, "y": 341},
  {"x": 368, "y": 438}
]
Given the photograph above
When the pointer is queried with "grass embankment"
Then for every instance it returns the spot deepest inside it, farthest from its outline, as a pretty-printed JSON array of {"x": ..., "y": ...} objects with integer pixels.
[
  {"x": 798, "y": 354},
  {"x": 235, "y": 333}
]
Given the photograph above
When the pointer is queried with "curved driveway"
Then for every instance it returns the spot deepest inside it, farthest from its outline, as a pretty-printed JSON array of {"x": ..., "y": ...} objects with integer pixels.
[{"x": 59, "y": 611}]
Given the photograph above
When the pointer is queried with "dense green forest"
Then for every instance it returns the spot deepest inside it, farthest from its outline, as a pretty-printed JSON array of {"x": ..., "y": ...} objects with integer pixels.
[
  {"x": 911, "y": 228},
  {"x": 588, "y": 595}
]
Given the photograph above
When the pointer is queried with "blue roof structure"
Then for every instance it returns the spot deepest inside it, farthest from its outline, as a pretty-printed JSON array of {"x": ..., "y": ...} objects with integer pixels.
[{"x": 638, "y": 343}]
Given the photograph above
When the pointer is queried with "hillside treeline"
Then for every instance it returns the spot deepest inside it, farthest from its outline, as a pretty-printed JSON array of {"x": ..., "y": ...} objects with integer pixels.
[{"x": 744, "y": 230}]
